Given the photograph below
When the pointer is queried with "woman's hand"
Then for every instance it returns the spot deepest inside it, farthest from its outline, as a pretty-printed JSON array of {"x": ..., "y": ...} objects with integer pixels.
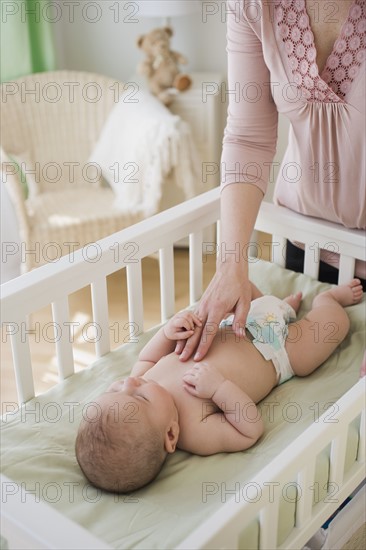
[
  {"x": 228, "y": 292},
  {"x": 182, "y": 325}
]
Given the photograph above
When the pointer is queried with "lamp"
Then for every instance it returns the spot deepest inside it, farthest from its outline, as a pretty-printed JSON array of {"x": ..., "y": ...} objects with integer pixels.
[{"x": 167, "y": 8}]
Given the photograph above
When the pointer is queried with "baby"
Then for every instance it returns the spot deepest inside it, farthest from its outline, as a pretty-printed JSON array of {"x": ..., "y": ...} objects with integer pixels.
[{"x": 206, "y": 407}]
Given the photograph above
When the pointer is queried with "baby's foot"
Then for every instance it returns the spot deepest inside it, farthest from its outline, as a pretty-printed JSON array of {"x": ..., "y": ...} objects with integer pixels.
[
  {"x": 349, "y": 294},
  {"x": 294, "y": 300}
]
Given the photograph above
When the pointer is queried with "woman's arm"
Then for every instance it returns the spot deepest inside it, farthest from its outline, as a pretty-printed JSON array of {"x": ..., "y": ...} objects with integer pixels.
[
  {"x": 248, "y": 149},
  {"x": 230, "y": 289}
]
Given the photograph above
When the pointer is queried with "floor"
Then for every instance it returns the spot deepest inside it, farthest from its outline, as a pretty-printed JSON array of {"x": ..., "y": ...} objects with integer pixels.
[{"x": 358, "y": 540}]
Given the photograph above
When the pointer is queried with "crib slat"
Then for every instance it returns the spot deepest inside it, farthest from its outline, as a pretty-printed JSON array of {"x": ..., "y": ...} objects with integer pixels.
[
  {"x": 135, "y": 298},
  {"x": 195, "y": 267},
  {"x": 218, "y": 233},
  {"x": 22, "y": 363},
  {"x": 337, "y": 458},
  {"x": 311, "y": 261},
  {"x": 268, "y": 519},
  {"x": 252, "y": 250},
  {"x": 304, "y": 503},
  {"x": 346, "y": 269},
  {"x": 167, "y": 287},
  {"x": 279, "y": 250},
  {"x": 99, "y": 295},
  {"x": 361, "y": 446},
  {"x": 65, "y": 356}
]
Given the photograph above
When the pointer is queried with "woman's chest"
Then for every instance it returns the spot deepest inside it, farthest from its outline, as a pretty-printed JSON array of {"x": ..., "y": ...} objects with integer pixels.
[
  {"x": 322, "y": 48},
  {"x": 326, "y": 19}
]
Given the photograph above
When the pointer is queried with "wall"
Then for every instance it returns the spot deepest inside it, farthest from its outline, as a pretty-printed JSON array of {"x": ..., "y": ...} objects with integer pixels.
[
  {"x": 108, "y": 45},
  {"x": 101, "y": 37}
]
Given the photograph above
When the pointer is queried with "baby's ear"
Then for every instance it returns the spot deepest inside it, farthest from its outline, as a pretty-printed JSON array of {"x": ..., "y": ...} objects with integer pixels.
[{"x": 171, "y": 437}]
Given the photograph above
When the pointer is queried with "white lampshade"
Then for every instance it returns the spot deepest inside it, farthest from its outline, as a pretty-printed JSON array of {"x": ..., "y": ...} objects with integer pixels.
[{"x": 167, "y": 8}]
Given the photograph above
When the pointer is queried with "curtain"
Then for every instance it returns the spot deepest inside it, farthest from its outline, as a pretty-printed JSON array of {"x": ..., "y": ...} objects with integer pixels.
[{"x": 26, "y": 38}]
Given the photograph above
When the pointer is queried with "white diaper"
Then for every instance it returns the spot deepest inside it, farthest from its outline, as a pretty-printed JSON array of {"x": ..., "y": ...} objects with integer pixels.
[{"x": 267, "y": 321}]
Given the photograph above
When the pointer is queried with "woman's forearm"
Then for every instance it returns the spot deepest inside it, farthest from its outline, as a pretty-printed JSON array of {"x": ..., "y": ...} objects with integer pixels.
[
  {"x": 240, "y": 204},
  {"x": 230, "y": 289}
]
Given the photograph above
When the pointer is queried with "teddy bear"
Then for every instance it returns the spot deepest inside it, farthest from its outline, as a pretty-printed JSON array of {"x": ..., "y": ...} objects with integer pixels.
[{"x": 161, "y": 65}]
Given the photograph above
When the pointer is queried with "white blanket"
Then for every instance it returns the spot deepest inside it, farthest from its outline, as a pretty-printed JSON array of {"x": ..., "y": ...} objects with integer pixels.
[{"x": 140, "y": 144}]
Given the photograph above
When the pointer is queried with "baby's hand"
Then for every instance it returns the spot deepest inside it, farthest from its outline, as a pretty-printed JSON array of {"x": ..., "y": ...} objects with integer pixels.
[
  {"x": 181, "y": 326},
  {"x": 202, "y": 380}
]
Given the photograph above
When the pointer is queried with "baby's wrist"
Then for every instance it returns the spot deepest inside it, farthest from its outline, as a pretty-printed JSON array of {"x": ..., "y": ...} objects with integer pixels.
[{"x": 216, "y": 394}]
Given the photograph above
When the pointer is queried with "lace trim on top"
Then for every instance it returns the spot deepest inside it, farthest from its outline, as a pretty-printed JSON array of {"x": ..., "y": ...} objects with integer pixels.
[{"x": 342, "y": 65}]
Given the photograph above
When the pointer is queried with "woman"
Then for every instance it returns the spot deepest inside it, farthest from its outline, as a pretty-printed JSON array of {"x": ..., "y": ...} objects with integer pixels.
[{"x": 306, "y": 60}]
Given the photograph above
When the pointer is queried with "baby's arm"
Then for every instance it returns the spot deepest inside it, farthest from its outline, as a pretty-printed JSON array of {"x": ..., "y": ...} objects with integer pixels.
[
  {"x": 179, "y": 327},
  {"x": 237, "y": 427}
]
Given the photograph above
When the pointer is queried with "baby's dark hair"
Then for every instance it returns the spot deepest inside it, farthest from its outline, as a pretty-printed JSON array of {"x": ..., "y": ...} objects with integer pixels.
[{"x": 119, "y": 457}]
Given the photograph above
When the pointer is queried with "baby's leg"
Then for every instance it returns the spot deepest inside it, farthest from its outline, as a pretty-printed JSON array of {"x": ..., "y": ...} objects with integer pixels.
[
  {"x": 294, "y": 300},
  {"x": 314, "y": 338}
]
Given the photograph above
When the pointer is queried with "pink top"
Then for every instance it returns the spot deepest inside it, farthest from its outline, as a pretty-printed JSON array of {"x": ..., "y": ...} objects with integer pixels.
[{"x": 272, "y": 69}]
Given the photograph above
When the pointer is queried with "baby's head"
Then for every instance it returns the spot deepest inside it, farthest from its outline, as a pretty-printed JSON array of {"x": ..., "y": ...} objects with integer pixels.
[{"x": 124, "y": 443}]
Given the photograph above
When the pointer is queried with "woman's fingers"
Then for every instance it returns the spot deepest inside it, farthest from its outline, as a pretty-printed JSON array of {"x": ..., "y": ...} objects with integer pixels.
[
  {"x": 183, "y": 335},
  {"x": 191, "y": 344},
  {"x": 179, "y": 346},
  {"x": 240, "y": 317}
]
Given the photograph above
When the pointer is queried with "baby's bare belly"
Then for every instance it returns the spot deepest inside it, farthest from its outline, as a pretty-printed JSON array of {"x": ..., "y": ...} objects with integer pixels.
[{"x": 237, "y": 359}]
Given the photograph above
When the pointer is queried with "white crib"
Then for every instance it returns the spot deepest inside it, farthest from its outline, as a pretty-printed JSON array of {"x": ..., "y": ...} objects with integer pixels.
[{"x": 32, "y": 524}]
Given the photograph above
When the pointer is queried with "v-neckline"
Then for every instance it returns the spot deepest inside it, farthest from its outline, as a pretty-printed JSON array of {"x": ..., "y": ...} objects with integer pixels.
[
  {"x": 341, "y": 66},
  {"x": 339, "y": 37}
]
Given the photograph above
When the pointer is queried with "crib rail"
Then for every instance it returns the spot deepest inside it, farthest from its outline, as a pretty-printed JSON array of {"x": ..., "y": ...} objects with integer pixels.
[
  {"x": 315, "y": 234},
  {"x": 53, "y": 283},
  {"x": 27, "y": 523},
  {"x": 223, "y": 528}
]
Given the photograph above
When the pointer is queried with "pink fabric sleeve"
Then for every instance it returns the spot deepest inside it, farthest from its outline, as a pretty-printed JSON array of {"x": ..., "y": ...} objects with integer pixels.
[{"x": 250, "y": 136}]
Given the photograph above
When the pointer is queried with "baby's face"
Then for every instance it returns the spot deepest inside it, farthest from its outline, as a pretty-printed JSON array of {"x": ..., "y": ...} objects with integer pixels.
[{"x": 139, "y": 400}]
